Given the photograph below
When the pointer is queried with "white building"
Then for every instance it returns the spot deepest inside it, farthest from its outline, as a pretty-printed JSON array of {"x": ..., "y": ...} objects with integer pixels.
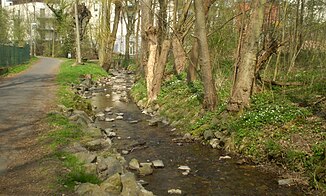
[{"x": 5, "y": 3}]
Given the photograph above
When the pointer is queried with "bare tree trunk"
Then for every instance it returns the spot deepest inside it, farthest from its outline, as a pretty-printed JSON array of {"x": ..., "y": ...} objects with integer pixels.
[
  {"x": 245, "y": 68},
  {"x": 145, "y": 24},
  {"x": 104, "y": 33},
  {"x": 117, "y": 11},
  {"x": 210, "y": 98},
  {"x": 193, "y": 62},
  {"x": 78, "y": 51},
  {"x": 152, "y": 36},
  {"x": 159, "y": 70},
  {"x": 179, "y": 54}
]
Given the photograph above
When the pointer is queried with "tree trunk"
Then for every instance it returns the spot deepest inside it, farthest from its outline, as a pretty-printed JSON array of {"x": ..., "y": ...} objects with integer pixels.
[
  {"x": 179, "y": 54},
  {"x": 145, "y": 24},
  {"x": 246, "y": 60},
  {"x": 152, "y": 36},
  {"x": 193, "y": 62},
  {"x": 78, "y": 51},
  {"x": 117, "y": 11},
  {"x": 127, "y": 55},
  {"x": 104, "y": 33},
  {"x": 159, "y": 70},
  {"x": 210, "y": 97}
]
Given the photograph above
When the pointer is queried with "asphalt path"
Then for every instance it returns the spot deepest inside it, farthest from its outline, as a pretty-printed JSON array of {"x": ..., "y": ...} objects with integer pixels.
[{"x": 24, "y": 101}]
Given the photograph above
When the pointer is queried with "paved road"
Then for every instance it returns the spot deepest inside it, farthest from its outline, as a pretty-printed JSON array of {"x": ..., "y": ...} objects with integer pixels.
[{"x": 24, "y": 100}]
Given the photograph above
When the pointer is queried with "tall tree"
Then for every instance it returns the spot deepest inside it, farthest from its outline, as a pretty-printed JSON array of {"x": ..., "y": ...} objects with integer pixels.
[
  {"x": 4, "y": 24},
  {"x": 210, "y": 97},
  {"x": 244, "y": 72},
  {"x": 77, "y": 29}
]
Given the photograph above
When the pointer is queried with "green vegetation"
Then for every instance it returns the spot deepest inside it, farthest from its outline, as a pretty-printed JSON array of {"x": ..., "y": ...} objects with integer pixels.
[
  {"x": 283, "y": 124},
  {"x": 65, "y": 132},
  {"x": 69, "y": 75},
  {"x": 19, "y": 68},
  {"x": 77, "y": 173}
]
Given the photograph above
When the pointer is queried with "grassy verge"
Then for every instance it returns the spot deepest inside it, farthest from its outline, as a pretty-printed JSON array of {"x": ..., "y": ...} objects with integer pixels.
[
  {"x": 12, "y": 70},
  {"x": 283, "y": 125},
  {"x": 65, "y": 132}
]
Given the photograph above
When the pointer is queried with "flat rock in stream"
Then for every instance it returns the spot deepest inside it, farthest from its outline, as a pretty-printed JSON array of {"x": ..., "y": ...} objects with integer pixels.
[
  {"x": 131, "y": 187},
  {"x": 145, "y": 169},
  {"x": 134, "y": 164},
  {"x": 184, "y": 168},
  {"x": 119, "y": 117},
  {"x": 109, "y": 119},
  {"x": 100, "y": 114},
  {"x": 108, "y": 109},
  {"x": 133, "y": 121},
  {"x": 158, "y": 164},
  {"x": 175, "y": 191}
]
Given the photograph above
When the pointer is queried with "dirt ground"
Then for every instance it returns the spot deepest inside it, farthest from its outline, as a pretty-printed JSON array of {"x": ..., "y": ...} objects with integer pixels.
[{"x": 26, "y": 164}]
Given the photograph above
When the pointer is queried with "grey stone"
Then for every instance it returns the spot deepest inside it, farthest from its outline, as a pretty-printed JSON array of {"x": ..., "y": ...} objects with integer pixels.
[
  {"x": 88, "y": 189},
  {"x": 208, "y": 134},
  {"x": 219, "y": 135},
  {"x": 184, "y": 168},
  {"x": 94, "y": 132},
  {"x": 109, "y": 119},
  {"x": 158, "y": 164},
  {"x": 131, "y": 187},
  {"x": 288, "y": 181},
  {"x": 108, "y": 109},
  {"x": 175, "y": 191},
  {"x": 145, "y": 169},
  {"x": 119, "y": 117},
  {"x": 153, "y": 122},
  {"x": 112, "y": 185},
  {"x": 133, "y": 121},
  {"x": 90, "y": 168},
  {"x": 187, "y": 137},
  {"x": 120, "y": 114},
  {"x": 124, "y": 152},
  {"x": 215, "y": 143},
  {"x": 86, "y": 157},
  {"x": 100, "y": 114},
  {"x": 98, "y": 144},
  {"x": 134, "y": 164},
  {"x": 106, "y": 167},
  {"x": 75, "y": 147}
]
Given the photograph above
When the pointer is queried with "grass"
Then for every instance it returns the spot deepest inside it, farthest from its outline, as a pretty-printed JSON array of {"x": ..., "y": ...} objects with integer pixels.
[
  {"x": 12, "y": 70},
  {"x": 65, "y": 132},
  {"x": 77, "y": 173}
]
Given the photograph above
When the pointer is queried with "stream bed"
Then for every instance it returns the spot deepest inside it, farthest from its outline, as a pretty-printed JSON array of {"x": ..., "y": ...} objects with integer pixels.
[{"x": 209, "y": 174}]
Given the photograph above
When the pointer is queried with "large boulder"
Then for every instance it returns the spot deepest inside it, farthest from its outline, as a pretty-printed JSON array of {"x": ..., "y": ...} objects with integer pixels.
[
  {"x": 88, "y": 189},
  {"x": 112, "y": 185},
  {"x": 131, "y": 187},
  {"x": 107, "y": 167},
  {"x": 86, "y": 157},
  {"x": 98, "y": 144}
]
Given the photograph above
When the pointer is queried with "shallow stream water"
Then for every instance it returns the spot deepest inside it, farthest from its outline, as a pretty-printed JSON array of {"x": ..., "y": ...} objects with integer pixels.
[{"x": 208, "y": 176}]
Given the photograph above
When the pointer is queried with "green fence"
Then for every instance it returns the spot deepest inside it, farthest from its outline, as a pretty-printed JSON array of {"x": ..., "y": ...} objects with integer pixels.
[{"x": 13, "y": 55}]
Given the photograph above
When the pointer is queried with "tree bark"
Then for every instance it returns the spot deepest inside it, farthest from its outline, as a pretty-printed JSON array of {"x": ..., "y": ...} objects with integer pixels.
[
  {"x": 152, "y": 36},
  {"x": 210, "y": 97},
  {"x": 159, "y": 70},
  {"x": 117, "y": 11},
  {"x": 246, "y": 60},
  {"x": 179, "y": 55},
  {"x": 145, "y": 24},
  {"x": 78, "y": 51}
]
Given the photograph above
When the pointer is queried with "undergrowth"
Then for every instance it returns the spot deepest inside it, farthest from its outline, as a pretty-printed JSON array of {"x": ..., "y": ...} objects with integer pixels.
[{"x": 283, "y": 124}]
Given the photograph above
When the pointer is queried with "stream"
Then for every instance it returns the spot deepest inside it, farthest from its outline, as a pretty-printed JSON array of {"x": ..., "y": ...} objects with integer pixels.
[{"x": 209, "y": 174}]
